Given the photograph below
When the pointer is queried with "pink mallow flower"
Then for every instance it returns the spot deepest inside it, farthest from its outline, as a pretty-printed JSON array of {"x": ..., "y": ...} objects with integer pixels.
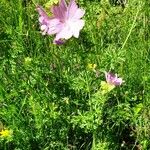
[
  {"x": 113, "y": 79},
  {"x": 65, "y": 22}
]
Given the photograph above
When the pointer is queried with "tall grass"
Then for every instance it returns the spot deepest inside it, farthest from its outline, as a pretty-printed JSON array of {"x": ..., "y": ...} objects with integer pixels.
[{"x": 50, "y": 98}]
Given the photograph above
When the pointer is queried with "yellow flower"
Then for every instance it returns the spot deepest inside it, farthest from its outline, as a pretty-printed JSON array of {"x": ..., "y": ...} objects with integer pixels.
[
  {"x": 27, "y": 61},
  {"x": 5, "y": 133},
  {"x": 106, "y": 87},
  {"x": 51, "y": 2},
  {"x": 91, "y": 66}
]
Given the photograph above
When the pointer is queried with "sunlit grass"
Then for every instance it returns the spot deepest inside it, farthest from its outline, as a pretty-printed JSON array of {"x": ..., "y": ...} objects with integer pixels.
[{"x": 49, "y": 94}]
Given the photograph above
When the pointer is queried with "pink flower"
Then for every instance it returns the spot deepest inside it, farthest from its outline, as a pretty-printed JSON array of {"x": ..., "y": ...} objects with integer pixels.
[
  {"x": 65, "y": 22},
  {"x": 113, "y": 79},
  {"x": 43, "y": 19}
]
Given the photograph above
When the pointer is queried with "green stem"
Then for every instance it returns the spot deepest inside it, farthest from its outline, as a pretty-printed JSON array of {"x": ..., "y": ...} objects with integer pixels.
[
  {"x": 93, "y": 143},
  {"x": 133, "y": 25}
]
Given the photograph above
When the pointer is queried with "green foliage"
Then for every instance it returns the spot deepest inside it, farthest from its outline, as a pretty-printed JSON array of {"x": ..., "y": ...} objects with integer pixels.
[{"x": 56, "y": 97}]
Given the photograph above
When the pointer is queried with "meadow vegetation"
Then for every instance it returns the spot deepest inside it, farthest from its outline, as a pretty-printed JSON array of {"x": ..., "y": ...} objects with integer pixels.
[{"x": 52, "y": 96}]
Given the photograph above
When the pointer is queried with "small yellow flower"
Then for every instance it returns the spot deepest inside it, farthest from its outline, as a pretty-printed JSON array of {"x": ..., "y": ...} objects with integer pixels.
[
  {"x": 5, "y": 133},
  {"x": 91, "y": 66},
  {"x": 51, "y": 2},
  {"x": 27, "y": 61},
  {"x": 106, "y": 87}
]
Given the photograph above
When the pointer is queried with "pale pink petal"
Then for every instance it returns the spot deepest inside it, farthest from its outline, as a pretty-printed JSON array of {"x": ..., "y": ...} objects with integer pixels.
[
  {"x": 41, "y": 19},
  {"x": 43, "y": 27},
  {"x": 73, "y": 11},
  {"x": 65, "y": 33},
  {"x": 63, "y": 5},
  {"x": 60, "y": 11},
  {"x": 54, "y": 26},
  {"x": 113, "y": 79},
  {"x": 78, "y": 14},
  {"x": 43, "y": 16},
  {"x": 72, "y": 8},
  {"x": 76, "y": 26},
  {"x": 119, "y": 81},
  {"x": 41, "y": 11}
]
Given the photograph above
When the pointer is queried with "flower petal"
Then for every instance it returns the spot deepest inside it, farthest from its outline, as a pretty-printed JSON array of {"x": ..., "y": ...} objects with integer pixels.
[
  {"x": 43, "y": 27},
  {"x": 72, "y": 8},
  {"x": 79, "y": 14},
  {"x": 76, "y": 27},
  {"x": 60, "y": 11},
  {"x": 44, "y": 18},
  {"x": 54, "y": 26},
  {"x": 113, "y": 79},
  {"x": 65, "y": 33},
  {"x": 118, "y": 81},
  {"x": 73, "y": 11}
]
